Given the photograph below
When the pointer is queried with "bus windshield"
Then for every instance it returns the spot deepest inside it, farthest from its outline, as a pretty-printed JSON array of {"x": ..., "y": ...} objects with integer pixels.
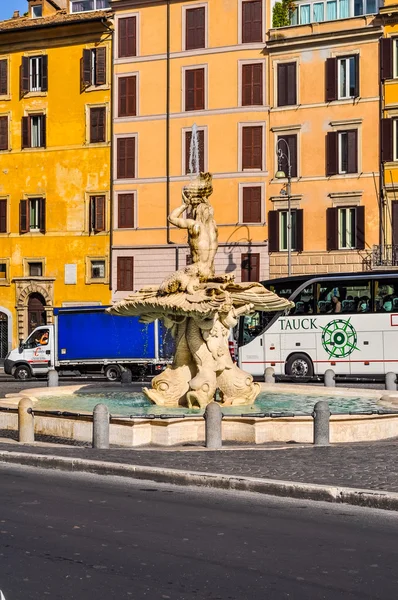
[{"x": 251, "y": 326}]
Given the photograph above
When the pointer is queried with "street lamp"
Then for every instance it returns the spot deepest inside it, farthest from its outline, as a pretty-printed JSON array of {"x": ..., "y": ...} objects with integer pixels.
[{"x": 280, "y": 174}]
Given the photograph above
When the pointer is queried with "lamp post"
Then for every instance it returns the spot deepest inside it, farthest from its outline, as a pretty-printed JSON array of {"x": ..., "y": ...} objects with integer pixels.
[{"x": 282, "y": 175}]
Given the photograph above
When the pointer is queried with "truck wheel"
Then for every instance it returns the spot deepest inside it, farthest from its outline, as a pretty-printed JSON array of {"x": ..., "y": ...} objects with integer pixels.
[
  {"x": 112, "y": 373},
  {"x": 299, "y": 365},
  {"x": 22, "y": 373}
]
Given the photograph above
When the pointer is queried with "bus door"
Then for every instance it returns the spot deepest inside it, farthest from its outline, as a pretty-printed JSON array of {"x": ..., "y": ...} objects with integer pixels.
[{"x": 251, "y": 342}]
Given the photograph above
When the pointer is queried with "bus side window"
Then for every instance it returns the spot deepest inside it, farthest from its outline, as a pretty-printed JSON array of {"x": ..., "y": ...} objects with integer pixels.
[
  {"x": 304, "y": 302},
  {"x": 386, "y": 295}
]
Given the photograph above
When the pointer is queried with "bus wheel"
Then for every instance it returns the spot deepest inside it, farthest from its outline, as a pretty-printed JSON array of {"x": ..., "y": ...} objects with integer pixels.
[
  {"x": 112, "y": 372},
  {"x": 299, "y": 365}
]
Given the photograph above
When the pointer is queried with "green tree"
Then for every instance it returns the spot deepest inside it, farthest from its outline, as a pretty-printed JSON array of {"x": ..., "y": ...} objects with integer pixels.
[{"x": 282, "y": 12}]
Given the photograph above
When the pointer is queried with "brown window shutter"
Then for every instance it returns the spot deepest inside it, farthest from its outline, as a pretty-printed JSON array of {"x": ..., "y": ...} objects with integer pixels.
[
  {"x": 352, "y": 139},
  {"x": 387, "y": 140},
  {"x": 189, "y": 89},
  {"x": 332, "y": 162},
  {"x": 97, "y": 124},
  {"x": 291, "y": 77},
  {"x": 250, "y": 267},
  {"x": 357, "y": 89},
  {"x": 100, "y": 66},
  {"x": 252, "y": 21},
  {"x": 194, "y": 89},
  {"x": 360, "y": 232},
  {"x": 201, "y": 141},
  {"x": 127, "y": 96},
  {"x": 121, "y": 158},
  {"x": 86, "y": 69},
  {"x": 332, "y": 228},
  {"x": 299, "y": 230},
  {"x": 195, "y": 32},
  {"x": 44, "y": 73},
  {"x": 126, "y": 158},
  {"x": 23, "y": 216},
  {"x": 252, "y": 85},
  {"x": 125, "y": 273},
  {"x": 25, "y": 132},
  {"x": 331, "y": 79},
  {"x": 251, "y": 201},
  {"x": 3, "y": 77},
  {"x": 273, "y": 231},
  {"x": 199, "y": 89},
  {"x": 3, "y": 216},
  {"x": 386, "y": 58},
  {"x": 43, "y": 131},
  {"x": 3, "y": 133},
  {"x": 99, "y": 213},
  {"x": 281, "y": 84},
  {"x": 24, "y": 84},
  {"x": 127, "y": 37},
  {"x": 394, "y": 211},
  {"x": 252, "y": 147},
  {"x": 291, "y": 144},
  {"x": 42, "y": 215},
  {"x": 126, "y": 211}
]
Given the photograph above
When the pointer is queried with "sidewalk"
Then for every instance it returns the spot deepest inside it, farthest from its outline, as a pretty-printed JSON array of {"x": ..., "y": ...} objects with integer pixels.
[{"x": 342, "y": 473}]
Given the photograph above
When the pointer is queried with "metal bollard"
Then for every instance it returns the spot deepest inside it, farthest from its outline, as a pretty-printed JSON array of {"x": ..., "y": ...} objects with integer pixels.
[
  {"x": 213, "y": 427},
  {"x": 391, "y": 379},
  {"x": 53, "y": 378},
  {"x": 328, "y": 379},
  {"x": 101, "y": 426},
  {"x": 126, "y": 377},
  {"x": 26, "y": 422},
  {"x": 269, "y": 375},
  {"x": 321, "y": 416}
]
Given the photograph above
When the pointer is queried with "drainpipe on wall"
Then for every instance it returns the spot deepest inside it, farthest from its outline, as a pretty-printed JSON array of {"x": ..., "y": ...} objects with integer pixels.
[
  {"x": 168, "y": 122},
  {"x": 381, "y": 166}
]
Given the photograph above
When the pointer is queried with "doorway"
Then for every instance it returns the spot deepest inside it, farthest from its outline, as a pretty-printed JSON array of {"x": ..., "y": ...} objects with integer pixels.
[{"x": 36, "y": 312}]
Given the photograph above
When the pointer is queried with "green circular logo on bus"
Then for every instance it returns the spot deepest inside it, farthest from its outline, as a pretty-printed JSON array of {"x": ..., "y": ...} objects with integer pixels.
[{"x": 339, "y": 338}]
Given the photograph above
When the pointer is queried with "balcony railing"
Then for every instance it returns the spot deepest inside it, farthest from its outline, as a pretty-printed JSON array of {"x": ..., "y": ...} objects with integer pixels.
[{"x": 385, "y": 256}]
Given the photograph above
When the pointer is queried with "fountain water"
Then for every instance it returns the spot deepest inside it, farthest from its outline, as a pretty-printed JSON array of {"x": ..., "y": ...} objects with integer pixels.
[{"x": 199, "y": 308}]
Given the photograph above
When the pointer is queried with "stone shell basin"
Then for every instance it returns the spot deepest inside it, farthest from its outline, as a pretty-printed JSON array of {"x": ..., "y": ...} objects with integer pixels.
[{"x": 248, "y": 430}]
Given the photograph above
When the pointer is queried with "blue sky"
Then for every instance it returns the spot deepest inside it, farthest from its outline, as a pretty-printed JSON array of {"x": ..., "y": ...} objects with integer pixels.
[{"x": 7, "y": 7}]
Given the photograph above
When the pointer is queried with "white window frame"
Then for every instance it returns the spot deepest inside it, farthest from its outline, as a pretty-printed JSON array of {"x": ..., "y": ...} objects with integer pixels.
[
  {"x": 206, "y": 78},
  {"x": 184, "y": 27},
  {"x": 395, "y": 139},
  {"x": 346, "y": 94},
  {"x": 39, "y": 141},
  {"x": 241, "y": 64},
  {"x": 35, "y": 86},
  {"x": 265, "y": 17},
  {"x": 118, "y": 193},
  {"x": 324, "y": 2},
  {"x": 240, "y": 146},
  {"x": 340, "y": 155},
  {"x": 281, "y": 228},
  {"x": 395, "y": 57},
  {"x": 350, "y": 233},
  {"x": 33, "y": 11},
  {"x": 136, "y": 165},
  {"x": 252, "y": 184},
  {"x": 72, "y": 2},
  {"x": 34, "y": 207},
  {"x": 101, "y": 280}
]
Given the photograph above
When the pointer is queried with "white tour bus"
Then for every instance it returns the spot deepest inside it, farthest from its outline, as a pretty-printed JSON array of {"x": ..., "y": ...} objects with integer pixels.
[{"x": 347, "y": 322}]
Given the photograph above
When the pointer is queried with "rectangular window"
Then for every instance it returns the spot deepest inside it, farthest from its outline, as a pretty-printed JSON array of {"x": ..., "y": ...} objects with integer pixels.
[
  {"x": 97, "y": 213},
  {"x": 386, "y": 295},
  {"x": 93, "y": 67},
  {"x": 252, "y": 84},
  {"x": 97, "y": 268},
  {"x": 3, "y": 271},
  {"x": 251, "y": 204},
  {"x": 252, "y": 147},
  {"x": 32, "y": 215},
  {"x": 348, "y": 77},
  {"x": 3, "y": 77},
  {"x": 194, "y": 89},
  {"x": 127, "y": 37},
  {"x": 3, "y": 216},
  {"x": 34, "y": 74},
  {"x": 252, "y": 21},
  {"x": 35, "y": 269},
  {"x": 278, "y": 231},
  {"x": 284, "y": 230},
  {"x": 250, "y": 267},
  {"x": 287, "y": 84},
  {"x": 127, "y": 96},
  {"x": 395, "y": 139},
  {"x": 387, "y": 57},
  {"x": 97, "y": 124},
  {"x": 87, "y": 5},
  {"x": 37, "y": 11},
  {"x": 125, "y": 273},
  {"x": 195, "y": 28},
  {"x": 288, "y": 146},
  {"x": 347, "y": 149},
  {"x": 125, "y": 210},
  {"x": 34, "y": 131},
  {"x": 126, "y": 158},
  {"x": 201, "y": 151},
  {"x": 3, "y": 133},
  {"x": 347, "y": 228}
]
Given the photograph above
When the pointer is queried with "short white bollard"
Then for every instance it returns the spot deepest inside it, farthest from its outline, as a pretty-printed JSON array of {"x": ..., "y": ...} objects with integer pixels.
[
  {"x": 101, "y": 426},
  {"x": 213, "y": 426},
  {"x": 53, "y": 379},
  {"x": 126, "y": 377},
  {"x": 329, "y": 379},
  {"x": 26, "y": 422},
  {"x": 391, "y": 381},
  {"x": 321, "y": 416},
  {"x": 269, "y": 375}
]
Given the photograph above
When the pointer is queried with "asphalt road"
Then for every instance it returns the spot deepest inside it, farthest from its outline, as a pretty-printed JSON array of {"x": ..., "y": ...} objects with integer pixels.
[{"x": 84, "y": 537}]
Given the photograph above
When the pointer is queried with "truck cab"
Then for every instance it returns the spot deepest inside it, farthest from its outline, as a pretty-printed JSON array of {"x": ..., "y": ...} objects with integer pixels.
[{"x": 34, "y": 356}]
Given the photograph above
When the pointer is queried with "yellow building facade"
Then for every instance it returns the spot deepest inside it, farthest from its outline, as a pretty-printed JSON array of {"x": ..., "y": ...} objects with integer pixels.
[
  {"x": 55, "y": 129},
  {"x": 176, "y": 65}
]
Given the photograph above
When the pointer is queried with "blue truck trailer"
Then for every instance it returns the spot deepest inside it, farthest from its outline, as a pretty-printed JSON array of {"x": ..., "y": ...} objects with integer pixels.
[{"x": 88, "y": 340}]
